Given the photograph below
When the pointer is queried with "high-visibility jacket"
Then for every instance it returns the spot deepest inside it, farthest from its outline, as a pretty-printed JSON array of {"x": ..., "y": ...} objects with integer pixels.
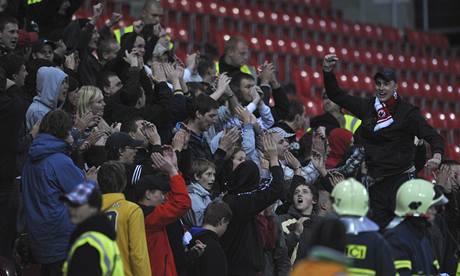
[
  {"x": 121, "y": 31},
  {"x": 245, "y": 69},
  {"x": 32, "y": 2},
  {"x": 109, "y": 255},
  {"x": 351, "y": 123}
]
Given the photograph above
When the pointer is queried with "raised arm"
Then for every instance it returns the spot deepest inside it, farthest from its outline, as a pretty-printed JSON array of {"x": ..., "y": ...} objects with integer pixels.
[{"x": 356, "y": 105}]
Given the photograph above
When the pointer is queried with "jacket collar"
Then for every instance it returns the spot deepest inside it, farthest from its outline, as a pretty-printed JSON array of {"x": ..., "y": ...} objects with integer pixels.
[
  {"x": 111, "y": 198},
  {"x": 98, "y": 223},
  {"x": 198, "y": 189}
]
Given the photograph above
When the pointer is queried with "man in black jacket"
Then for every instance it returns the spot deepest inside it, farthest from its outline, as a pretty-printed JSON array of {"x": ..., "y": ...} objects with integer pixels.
[
  {"x": 388, "y": 127},
  {"x": 242, "y": 241},
  {"x": 12, "y": 110},
  {"x": 213, "y": 261}
]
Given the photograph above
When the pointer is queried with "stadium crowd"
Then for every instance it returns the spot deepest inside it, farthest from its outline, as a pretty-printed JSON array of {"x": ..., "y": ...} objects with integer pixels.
[{"x": 118, "y": 158}]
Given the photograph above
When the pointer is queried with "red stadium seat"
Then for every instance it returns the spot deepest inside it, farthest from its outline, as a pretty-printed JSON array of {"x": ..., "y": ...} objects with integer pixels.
[
  {"x": 429, "y": 117},
  {"x": 453, "y": 121},
  {"x": 391, "y": 34},
  {"x": 294, "y": 47},
  {"x": 344, "y": 80},
  {"x": 313, "y": 107}
]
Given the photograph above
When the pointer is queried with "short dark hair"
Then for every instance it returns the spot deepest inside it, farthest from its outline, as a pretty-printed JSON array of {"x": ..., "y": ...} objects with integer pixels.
[
  {"x": 202, "y": 104},
  {"x": 130, "y": 125},
  {"x": 196, "y": 87},
  {"x": 230, "y": 45},
  {"x": 104, "y": 45},
  {"x": 204, "y": 64},
  {"x": 295, "y": 108},
  {"x": 12, "y": 64},
  {"x": 56, "y": 123},
  {"x": 313, "y": 189},
  {"x": 236, "y": 82},
  {"x": 103, "y": 80},
  {"x": 113, "y": 154},
  {"x": 6, "y": 19},
  {"x": 216, "y": 211},
  {"x": 111, "y": 177}
]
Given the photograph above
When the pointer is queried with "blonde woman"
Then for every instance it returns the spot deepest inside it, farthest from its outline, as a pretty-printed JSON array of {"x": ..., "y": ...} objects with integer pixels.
[{"x": 92, "y": 128}]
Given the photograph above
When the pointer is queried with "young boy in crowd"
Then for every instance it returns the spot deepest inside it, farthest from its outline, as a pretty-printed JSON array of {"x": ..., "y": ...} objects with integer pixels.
[
  {"x": 297, "y": 222},
  {"x": 215, "y": 221},
  {"x": 203, "y": 172}
]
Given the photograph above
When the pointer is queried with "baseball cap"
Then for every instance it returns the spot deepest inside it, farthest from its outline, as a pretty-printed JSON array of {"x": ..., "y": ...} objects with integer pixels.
[
  {"x": 120, "y": 140},
  {"x": 39, "y": 44},
  {"x": 86, "y": 192},
  {"x": 386, "y": 74},
  {"x": 280, "y": 131}
]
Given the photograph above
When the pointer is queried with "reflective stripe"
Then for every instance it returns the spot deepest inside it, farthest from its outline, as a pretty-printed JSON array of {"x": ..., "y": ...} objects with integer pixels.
[
  {"x": 400, "y": 264},
  {"x": 458, "y": 270},
  {"x": 354, "y": 271},
  {"x": 436, "y": 264},
  {"x": 32, "y": 2}
]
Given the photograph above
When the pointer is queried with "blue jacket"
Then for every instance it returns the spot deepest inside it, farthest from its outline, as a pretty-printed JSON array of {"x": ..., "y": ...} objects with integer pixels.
[{"x": 48, "y": 173}]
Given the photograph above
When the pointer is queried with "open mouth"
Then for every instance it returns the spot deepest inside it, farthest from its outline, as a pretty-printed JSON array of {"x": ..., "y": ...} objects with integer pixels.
[{"x": 299, "y": 200}]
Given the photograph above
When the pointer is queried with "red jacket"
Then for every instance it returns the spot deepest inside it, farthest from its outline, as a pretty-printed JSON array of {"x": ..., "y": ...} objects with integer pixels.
[{"x": 175, "y": 206}]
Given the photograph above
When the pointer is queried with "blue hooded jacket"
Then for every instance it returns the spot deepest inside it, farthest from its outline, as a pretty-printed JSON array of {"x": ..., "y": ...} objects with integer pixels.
[
  {"x": 48, "y": 173},
  {"x": 49, "y": 80}
]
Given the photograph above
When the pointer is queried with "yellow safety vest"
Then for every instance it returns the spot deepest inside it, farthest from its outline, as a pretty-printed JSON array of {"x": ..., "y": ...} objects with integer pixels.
[
  {"x": 120, "y": 32},
  {"x": 245, "y": 69},
  {"x": 351, "y": 123},
  {"x": 109, "y": 255},
  {"x": 32, "y": 2}
]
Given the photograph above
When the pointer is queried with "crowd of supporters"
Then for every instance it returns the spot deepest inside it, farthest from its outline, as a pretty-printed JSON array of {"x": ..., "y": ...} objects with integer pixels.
[{"x": 118, "y": 158}]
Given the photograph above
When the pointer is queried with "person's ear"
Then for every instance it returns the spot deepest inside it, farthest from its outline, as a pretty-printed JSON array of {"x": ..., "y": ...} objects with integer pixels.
[
  {"x": 221, "y": 222},
  {"x": 147, "y": 194}
]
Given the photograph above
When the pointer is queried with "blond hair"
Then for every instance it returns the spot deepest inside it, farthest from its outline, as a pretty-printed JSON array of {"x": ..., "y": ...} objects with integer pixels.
[{"x": 87, "y": 94}]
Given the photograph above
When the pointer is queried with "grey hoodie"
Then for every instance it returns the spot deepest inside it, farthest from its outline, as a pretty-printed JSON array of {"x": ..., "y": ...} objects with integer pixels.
[{"x": 49, "y": 80}]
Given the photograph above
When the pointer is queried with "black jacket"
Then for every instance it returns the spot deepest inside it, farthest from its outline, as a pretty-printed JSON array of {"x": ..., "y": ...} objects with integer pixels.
[
  {"x": 90, "y": 68},
  {"x": 12, "y": 112},
  {"x": 85, "y": 260},
  {"x": 242, "y": 242},
  {"x": 391, "y": 150},
  {"x": 213, "y": 261}
]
